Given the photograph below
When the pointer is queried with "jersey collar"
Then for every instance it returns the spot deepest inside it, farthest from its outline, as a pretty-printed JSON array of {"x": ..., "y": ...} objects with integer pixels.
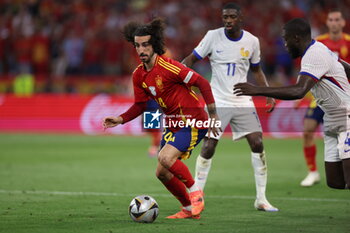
[
  {"x": 155, "y": 64},
  {"x": 312, "y": 42},
  {"x": 240, "y": 37}
]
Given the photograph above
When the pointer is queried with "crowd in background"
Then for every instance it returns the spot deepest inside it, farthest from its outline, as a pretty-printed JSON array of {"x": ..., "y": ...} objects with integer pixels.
[{"x": 59, "y": 39}]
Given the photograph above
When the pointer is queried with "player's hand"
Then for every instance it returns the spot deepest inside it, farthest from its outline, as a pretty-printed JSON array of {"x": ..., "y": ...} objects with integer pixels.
[
  {"x": 111, "y": 121},
  {"x": 270, "y": 102},
  {"x": 245, "y": 89},
  {"x": 214, "y": 130}
]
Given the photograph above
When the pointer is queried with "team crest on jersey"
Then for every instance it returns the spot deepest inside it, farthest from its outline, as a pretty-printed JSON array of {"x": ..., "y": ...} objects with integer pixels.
[
  {"x": 153, "y": 90},
  {"x": 244, "y": 53},
  {"x": 344, "y": 51},
  {"x": 159, "y": 83},
  {"x": 144, "y": 85}
]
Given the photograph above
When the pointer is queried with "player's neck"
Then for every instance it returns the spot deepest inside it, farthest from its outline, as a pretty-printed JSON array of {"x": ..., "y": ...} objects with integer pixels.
[
  {"x": 335, "y": 35},
  {"x": 234, "y": 34},
  {"x": 151, "y": 63},
  {"x": 305, "y": 45}
]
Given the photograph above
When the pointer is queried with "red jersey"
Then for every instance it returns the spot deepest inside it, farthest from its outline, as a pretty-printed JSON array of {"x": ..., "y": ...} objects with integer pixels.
[
  {"x": 340, "y": 47},
  {"x": 168, "y": 83}
]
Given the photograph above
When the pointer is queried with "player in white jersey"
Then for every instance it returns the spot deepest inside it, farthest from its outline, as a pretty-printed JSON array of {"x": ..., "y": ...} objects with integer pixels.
[
  {"x": 232, "y": 52},
  {"x": 327, "y": 77}
]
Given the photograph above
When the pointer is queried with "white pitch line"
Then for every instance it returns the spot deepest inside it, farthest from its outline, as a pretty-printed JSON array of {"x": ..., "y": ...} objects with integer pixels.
[{"x": 38, "y": 192}]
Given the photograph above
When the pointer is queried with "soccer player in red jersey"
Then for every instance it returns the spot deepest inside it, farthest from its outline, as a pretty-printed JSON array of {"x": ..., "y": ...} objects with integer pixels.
[
  {"x": 339, "y": 42},
  {"x": 169, "y": 83}
]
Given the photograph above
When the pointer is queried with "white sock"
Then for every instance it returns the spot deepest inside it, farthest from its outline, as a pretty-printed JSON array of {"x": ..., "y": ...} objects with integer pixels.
[
  {"x": 202, "y": 170},
  {"x": 260, "y": 174},
  {"x": 193, "y": 188},
  {"x": 189, "y": 207}
]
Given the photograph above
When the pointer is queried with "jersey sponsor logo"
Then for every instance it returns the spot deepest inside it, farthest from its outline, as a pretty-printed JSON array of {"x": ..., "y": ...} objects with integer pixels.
[
  {"x": 159, "y": 83},
  {"x": 244, "y": 53},
  {"x": 152, "y": 89}
]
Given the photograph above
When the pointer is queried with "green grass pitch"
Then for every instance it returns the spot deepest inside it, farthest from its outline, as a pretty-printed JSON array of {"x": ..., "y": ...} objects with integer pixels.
[{"x": 74, "y": 183}]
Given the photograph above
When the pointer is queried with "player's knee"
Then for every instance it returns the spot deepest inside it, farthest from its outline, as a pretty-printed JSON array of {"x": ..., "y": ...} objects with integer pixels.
[
  {"x": 160, "y": 175},
  {"x": 308, "y": 136},
  {"x": 257, "y": 146},
  {"x": 208, "y": 148},
  {"x": 164, "y": 160}
]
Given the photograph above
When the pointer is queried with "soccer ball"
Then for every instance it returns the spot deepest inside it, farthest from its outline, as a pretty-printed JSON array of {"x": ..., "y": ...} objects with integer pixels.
[{"x": 143, "y": 209}]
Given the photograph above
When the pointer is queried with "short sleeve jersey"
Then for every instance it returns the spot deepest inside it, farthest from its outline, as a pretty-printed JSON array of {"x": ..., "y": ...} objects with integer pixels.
[
  {"x": 230, "y": 61},
  {"x": 332, "y": 90},
  {"x": 169, "y": 83}
]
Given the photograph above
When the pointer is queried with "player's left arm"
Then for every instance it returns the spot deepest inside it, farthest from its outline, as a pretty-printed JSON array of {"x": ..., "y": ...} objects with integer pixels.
[
  {"x": 261, "y": 81},
  {"x": 297, "y": 91}
]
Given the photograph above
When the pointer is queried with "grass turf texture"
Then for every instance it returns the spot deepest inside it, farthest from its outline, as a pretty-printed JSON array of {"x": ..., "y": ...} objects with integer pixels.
[{"x": 75, "y": 183}]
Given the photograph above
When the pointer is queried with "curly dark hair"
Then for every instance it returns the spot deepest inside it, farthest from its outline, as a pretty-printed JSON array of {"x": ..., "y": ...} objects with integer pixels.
[{"x": 155, "y": 29}]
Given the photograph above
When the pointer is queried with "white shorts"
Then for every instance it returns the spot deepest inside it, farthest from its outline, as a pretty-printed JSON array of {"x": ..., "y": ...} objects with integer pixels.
[
  {"x": 243, "y": 121},
  {"x": 337, "y": 146}
]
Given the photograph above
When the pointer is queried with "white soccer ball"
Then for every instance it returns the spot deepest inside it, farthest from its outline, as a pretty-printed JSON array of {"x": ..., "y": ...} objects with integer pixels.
[{"x": 143, "y": 209}]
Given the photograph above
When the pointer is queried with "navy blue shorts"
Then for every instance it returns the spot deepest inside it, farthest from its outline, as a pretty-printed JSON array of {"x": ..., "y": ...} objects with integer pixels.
[
  {"x": 184, "y": 140},
  {"x": 315, "y": 113}
]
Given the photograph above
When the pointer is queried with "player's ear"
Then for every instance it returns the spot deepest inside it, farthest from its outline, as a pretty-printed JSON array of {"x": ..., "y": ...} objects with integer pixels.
[
  {"x": 343, "y": 22},
  {"x": 240, "y": 16},
  {"x": 297, "y": 38}
]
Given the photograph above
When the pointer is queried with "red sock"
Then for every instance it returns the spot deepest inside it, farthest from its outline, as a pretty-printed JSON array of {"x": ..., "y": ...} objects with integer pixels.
[
  {"x": 180, "y": 170},
  {"x": 310, "y": 157},
  {"x": 178, "y": 189}
]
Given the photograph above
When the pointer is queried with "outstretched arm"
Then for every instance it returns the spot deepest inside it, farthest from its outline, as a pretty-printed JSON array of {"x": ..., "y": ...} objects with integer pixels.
[
  {"x": 190, "y": 60},
  {"x": 297, "y": 91},
  {"x": 134, "y": 111},
  {"x": 261, "y": 80}
]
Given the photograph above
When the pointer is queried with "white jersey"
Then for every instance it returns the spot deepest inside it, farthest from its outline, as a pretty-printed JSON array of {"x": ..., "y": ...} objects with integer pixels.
[
  {"x": 230, "y": 61},
  {"x": 332, "y": 90}
]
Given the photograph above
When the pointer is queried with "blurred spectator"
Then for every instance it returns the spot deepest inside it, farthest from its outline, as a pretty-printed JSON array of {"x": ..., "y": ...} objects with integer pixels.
[
  {"x": 73, "y": 46},
  {"x": 22, "y": 48},
  {"x": 82, "y": 37},
  {"x": 113, "y": 53},
  {"x": 40, "y": 52},
  {"x": 23, "y": 84},
  {"x": 94, "y": 52}
]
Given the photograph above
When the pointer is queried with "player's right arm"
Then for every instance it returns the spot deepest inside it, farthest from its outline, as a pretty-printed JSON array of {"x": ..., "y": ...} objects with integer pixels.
[
  {"x": 201, "y": 51},
  {"x": 297, "y": 91},
  {"x": 134, "y": 111},
  {"x": 190, "y": 60}
]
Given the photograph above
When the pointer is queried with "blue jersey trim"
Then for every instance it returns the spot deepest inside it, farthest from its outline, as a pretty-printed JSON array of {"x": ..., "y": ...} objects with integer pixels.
[
  {"x": 197, "y": 55},
  {"x": 332, "y": 80},
  {"x": 255, "y": 64},
  {"x": 240, "y": 37},
  {"x": 311, "y": 75}
]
